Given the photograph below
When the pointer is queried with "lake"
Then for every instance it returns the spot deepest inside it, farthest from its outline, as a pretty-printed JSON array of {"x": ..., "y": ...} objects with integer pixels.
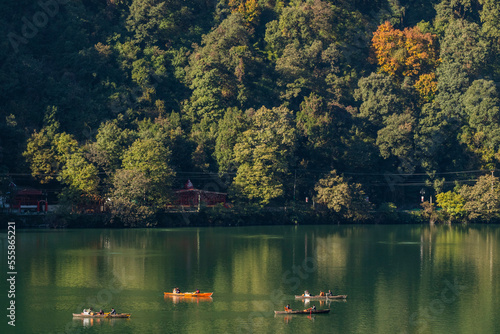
[{"x": 399, "y": 279}]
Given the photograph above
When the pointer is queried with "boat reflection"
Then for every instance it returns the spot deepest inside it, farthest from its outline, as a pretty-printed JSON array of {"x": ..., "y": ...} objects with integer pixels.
[
  {"x": 319, "y": 302},
  {"x": 307, "y": 301},
  {"x": 182, "y": 299},
  {"x": 89, "y": 322},
  {"x": 288, "y": 318}
]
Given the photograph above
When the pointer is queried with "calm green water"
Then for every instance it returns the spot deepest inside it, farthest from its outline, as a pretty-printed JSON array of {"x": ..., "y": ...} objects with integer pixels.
[{"x": 399, "y": 279}]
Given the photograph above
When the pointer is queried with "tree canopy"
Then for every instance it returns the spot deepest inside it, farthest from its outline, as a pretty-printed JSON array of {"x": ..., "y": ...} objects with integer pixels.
[{"x": 127, "y": 99}]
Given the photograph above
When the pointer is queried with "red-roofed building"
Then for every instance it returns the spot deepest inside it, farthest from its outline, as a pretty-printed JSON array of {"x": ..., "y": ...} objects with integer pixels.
[
  {"x": 28, "y": 199},
  {"x": 189, "y": 196}
]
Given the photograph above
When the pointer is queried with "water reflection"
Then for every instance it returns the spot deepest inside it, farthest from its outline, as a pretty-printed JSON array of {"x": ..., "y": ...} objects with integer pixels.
[
  {"x": 437, "y": 279},
  {"x": 89, "y": 322},
  {"x": 289, "y": 317},
  {"x": 322, "y": 303},
  {"x": 181, "y": 299}
]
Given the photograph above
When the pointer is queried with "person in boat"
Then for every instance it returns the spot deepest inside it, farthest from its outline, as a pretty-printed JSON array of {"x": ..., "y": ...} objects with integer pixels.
[
  {"x": 85, "y": 311},
  {"x": 177, "y": 290},
  {"x": 101, "y": 312},
  {"x": 329, "y": 293},
  {"x": 306, "y": 294},
  {"x": 313, "y": 308},
  {"x": 197, "y": 291},
  {"x": 322, "y": 294},
  {"x": 288, "y": 308},
  {"x": 113, "y": 311}
]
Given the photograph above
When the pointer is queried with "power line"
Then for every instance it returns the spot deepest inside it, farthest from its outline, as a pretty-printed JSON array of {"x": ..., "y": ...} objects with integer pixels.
[{"x": 211, "y": 175}]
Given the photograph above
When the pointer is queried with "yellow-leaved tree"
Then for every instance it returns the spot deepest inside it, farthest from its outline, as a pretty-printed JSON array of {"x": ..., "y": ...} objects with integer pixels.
[{"x": 407, "y": 53}]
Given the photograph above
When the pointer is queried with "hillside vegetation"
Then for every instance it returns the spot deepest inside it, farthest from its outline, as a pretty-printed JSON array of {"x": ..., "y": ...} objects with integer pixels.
[{"x": 359, "y": 105}]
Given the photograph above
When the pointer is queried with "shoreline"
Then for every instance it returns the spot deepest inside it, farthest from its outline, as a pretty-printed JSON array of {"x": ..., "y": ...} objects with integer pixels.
[{"x": 211, "y": 218}]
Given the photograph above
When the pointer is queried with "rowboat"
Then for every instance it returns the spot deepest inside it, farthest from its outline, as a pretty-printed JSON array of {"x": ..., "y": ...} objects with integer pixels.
[
  {"x": 322, "y": 297},
  {"x": 105, "y": 315},
  {"x": 302, "y": 312},
  {"x": 189, "y": 294}
]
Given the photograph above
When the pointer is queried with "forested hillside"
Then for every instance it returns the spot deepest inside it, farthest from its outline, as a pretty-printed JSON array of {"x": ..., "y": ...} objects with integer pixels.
[{"x": 359, "y": 105}]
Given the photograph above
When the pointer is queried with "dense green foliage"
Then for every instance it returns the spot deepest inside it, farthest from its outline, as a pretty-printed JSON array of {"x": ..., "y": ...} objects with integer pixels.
[{"x": 270, "y": 101}]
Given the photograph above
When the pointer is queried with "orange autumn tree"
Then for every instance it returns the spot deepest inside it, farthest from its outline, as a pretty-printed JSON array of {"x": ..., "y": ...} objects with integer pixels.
[{"x": 407, "y": 53}]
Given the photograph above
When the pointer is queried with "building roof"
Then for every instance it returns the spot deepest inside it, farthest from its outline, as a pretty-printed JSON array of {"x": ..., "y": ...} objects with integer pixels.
[
  {"x": 198, "y": 190},
  {"x": 29, "y": 191}
]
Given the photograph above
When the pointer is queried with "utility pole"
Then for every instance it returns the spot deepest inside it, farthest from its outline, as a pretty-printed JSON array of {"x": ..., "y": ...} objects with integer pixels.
[
  {"x": 199, "y": 201},
  {"x": 492, "y": 176},
  {"x": 294, "y": 185}
]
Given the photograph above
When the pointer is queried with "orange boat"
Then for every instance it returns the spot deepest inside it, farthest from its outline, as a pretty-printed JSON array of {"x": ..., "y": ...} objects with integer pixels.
[{"x": 189, "y": 294}]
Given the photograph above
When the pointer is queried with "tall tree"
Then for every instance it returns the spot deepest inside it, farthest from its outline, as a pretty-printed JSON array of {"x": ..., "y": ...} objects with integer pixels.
[
  {"x": 482, "y": 133},
  {"x": 449, "y": 10},
  {"x": 151, "y": 159},
  {"x": 223, "y": 73},
  {"x": 490, "y": 19},
  {"x": 163, "y": 22},
  {"x": 463, "y": 44},
  {"x": 343, "y": 197},
  {"x": 111, "y": 142},
  {"x": 407, "y": 52},
  {"x": 381, "y": 97},
  {"x": 41, "y": 153},
  {"x": 314, "y": 55},
  {"x": 482, "y": 200},
  {"x": 234, "y": 123},
  {"x": 264, "y": 154}
]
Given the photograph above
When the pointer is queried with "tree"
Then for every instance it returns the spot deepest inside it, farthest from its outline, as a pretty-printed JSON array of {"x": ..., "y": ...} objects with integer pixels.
[
  {"x": 249, "y": 9},
  {"x": 408, "y": 53},
  {"x": 77, "y": 172},
  {"x": 490, "y": 19},
  {"x": 437, "y": 148},
  {"x": 314, "y": 55},
  {"x": 264, "y": 154},
  {"x": 170, "y": 133},
  {"x": 347, "y": 199},
  {"x": 316, "y": 123},
  {"x": 223, "y": 73},
  {"x": 381, "y": 97},
  {"x": 482, "y": 201},
  {"x": 396, "y": 139},
  {"x": 230, "y": 128},
  {"x": 221, "y": 70},
  {"x": 448, "y": 11},
  {"x": 453, "y": 82},
  {"x": 41, "y": 153},
  {"x": 405, "y": 53},
  {"x": 453, "y": 205},
  {"x": 426, "y": 86},
  {"x": 150, "y": 158},
  {"x": 110, "y": 143},
  {"x": 126, "y": 201},
  {"x": 463, "y": 44},
  {"x": 166, "y": 22},
  {"x": 482, "y": 133},
  {"x": 322, "y": 136}
]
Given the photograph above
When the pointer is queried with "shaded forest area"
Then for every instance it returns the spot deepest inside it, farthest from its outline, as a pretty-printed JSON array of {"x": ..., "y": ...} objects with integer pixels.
[{"x": 358, "y": 106}]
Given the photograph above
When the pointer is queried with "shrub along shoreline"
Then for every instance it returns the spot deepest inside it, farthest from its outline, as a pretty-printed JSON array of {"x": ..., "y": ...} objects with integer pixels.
[{"x": 209, "y": 217}]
